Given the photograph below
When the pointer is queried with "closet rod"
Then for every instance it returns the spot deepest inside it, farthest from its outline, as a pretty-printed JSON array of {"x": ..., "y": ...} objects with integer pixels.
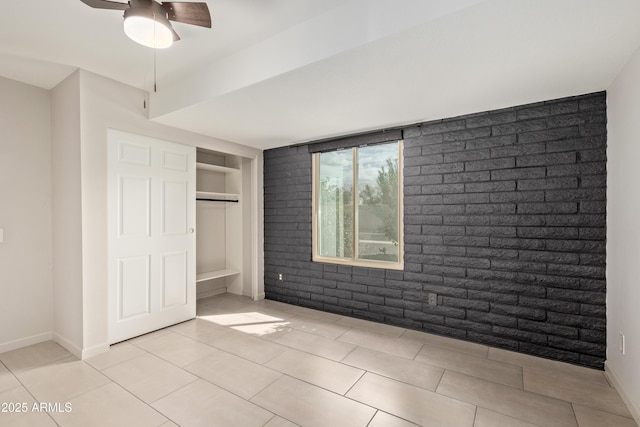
[{"x": 217, "y": 200}]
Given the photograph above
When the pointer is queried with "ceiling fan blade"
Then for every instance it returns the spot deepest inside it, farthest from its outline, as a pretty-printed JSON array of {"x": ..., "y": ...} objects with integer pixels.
[
  {"x": 188, "y": 13},
  {"x": 106, "y": 4}
]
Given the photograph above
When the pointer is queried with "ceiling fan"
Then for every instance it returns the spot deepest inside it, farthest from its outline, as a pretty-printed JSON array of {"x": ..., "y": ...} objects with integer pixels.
[{"x": 147, "y": 21}]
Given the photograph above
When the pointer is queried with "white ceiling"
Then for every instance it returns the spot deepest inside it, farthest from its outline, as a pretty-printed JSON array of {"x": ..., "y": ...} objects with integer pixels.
[{"x": 278, "y": 72}]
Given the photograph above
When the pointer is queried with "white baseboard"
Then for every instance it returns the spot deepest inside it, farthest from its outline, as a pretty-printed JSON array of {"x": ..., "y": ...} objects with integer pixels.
[
  {"x": 633, "y": 409},
  {"x": 24, "y": 342},
  {"x": 52, "y": 336},
  {"x": 260, "y": 297},
  {"x": 95, "y": 350},
  {"x": 83, "y": 353},
  {"x": 211, "y": 293},
  {"x": 71, "y": 347}
]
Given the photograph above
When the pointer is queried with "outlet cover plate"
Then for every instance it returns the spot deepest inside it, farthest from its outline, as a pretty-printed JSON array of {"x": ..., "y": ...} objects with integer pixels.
[{"x": 433, "y": 299}]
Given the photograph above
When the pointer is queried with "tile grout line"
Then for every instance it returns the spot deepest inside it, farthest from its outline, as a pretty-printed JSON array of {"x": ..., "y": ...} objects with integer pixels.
[
  {"x": 483, "y": 407},
  {"x": 308, "y": 383},
  {"x": 435, "y": 390},
  {"x": 112, "y": 381},
  {"x": 590, "y": 406},
  {"x": 119, "y": 363},
  {"x": 23, "y": 386},
  {"x": 374, "y": 415},
  {"x": 70, "y": 397},
  {"x": 148, "y": 405},
  {"x": 537, "y": 394},
  {"x": 364, "y": 372},
  {"x": 575, "y": 416},
  {"x": 136, "y": 396}
]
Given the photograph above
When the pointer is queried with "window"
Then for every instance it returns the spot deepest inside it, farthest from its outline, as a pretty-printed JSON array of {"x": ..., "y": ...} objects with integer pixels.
[{"x": 361, "y": 227}]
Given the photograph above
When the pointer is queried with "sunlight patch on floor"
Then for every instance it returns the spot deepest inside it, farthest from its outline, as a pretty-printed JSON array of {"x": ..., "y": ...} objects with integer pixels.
[{"x": 253, "y": 323}]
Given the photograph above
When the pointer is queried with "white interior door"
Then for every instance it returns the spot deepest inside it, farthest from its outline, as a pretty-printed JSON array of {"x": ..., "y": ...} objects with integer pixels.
[{"x": 152, "y": 242}]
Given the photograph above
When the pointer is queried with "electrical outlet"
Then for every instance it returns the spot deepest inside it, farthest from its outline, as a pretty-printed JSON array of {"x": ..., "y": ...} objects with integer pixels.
[
  {"x": 280, "y": 277},
  {"x": 433, "y": 299},
  {"x": 622, "y": 343}
]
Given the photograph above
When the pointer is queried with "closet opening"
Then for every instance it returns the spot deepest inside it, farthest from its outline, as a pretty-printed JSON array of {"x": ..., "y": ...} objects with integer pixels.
[{"x": 223, "y": 224}]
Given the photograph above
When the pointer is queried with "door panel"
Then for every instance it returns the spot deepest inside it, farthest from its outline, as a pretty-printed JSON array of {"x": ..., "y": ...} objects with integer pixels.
[
  {"x": 151, "y": 239},
  {"x": 134, "y": 154},
  {"x": 133, "y": 287},
  {"x": 133, "y": 206},
  {"x": 174, "y": 278},
  {"x": 174, "y": 161},
  {"x": 174, "y": 215}
]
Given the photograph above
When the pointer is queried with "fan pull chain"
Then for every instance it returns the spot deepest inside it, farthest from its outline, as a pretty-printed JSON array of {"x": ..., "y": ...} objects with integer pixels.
[
  {"x": 155, "y": 76},
  {"x": 155, "y": 79}
]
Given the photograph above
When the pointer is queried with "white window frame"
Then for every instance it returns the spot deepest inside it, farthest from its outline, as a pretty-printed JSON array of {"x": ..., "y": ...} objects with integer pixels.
[{"x": 354, "y": 261}]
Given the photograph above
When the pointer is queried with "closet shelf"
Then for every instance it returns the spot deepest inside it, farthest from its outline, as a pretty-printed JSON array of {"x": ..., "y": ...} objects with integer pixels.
[
  {"x": 216, "y": 168},
  {"x": 217, "y": 274},
  {"x": 209, "y": 195}
]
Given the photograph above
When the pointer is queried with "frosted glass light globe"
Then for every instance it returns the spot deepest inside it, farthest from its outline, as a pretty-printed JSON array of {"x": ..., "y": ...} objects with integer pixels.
[{"x": 148, "y": 32}]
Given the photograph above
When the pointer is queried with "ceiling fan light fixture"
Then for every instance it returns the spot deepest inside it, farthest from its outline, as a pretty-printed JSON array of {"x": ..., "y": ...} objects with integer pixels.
[{"x": 147, "y": 29}]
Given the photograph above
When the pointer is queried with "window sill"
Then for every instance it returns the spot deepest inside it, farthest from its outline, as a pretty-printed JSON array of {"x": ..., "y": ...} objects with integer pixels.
[{"x": 360, "y": 263}]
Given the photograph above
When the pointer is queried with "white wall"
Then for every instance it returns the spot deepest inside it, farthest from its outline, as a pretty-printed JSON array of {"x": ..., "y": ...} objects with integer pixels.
[
  {"x": 623, "y": 232},
  {"x": 67, "y": 214},
  {"x": 26, "y": 313}
]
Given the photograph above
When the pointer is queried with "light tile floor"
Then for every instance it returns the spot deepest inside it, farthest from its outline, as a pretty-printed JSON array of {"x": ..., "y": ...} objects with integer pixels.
[{"x": 244, "y": 363}]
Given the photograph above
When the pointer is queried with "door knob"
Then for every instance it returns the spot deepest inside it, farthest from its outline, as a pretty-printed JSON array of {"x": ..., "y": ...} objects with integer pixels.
[{"x": 192, "y": 230}]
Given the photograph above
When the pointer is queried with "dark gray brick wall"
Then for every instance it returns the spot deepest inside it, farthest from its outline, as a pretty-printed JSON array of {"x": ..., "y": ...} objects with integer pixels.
[{"x": 505, "y": 216}]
